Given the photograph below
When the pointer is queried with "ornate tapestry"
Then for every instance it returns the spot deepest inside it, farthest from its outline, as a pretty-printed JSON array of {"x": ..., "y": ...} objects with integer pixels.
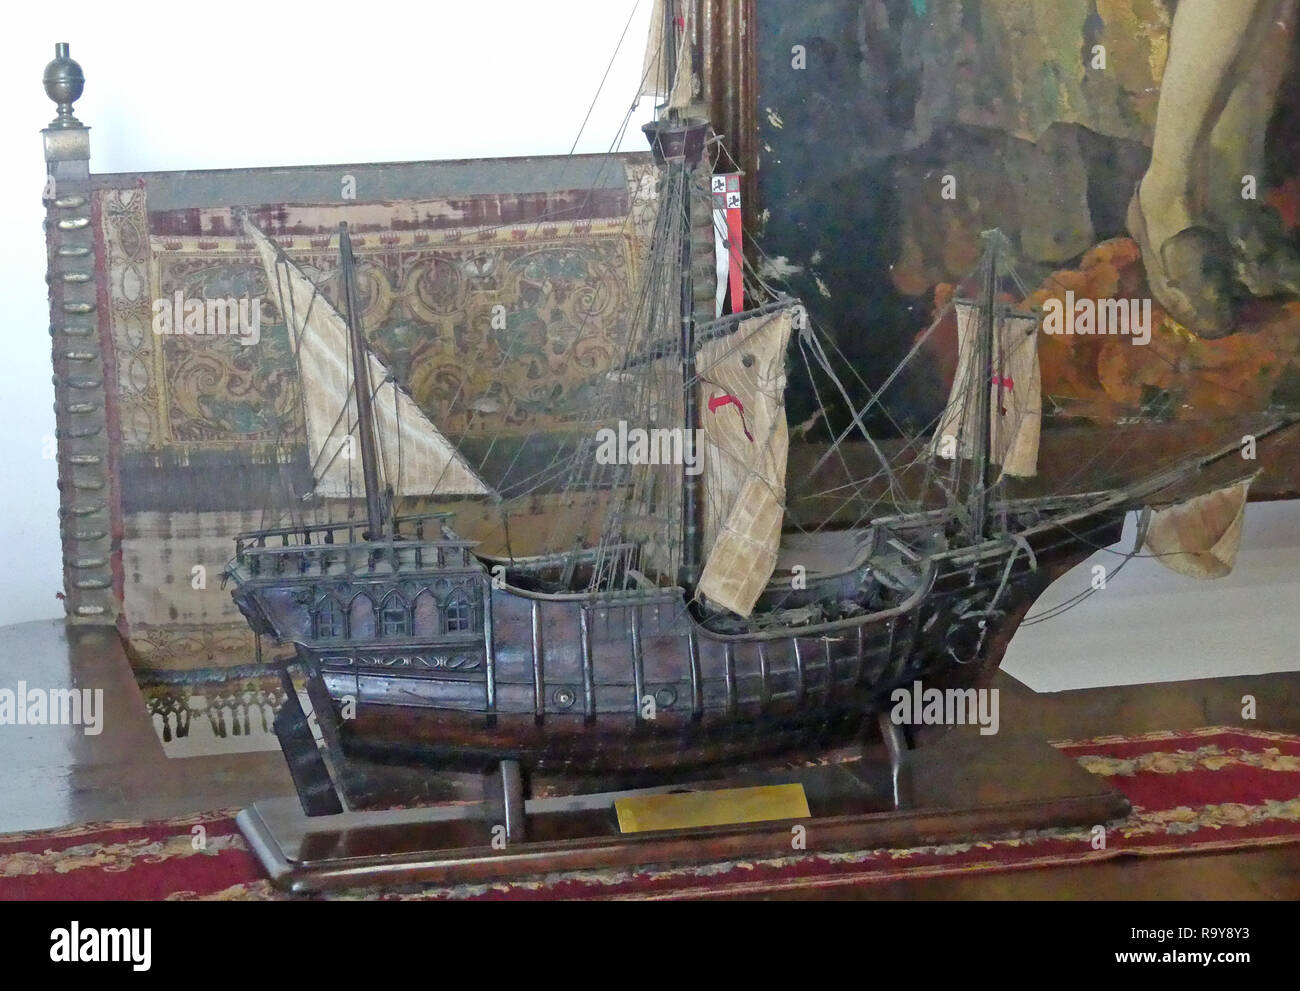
[{"x": 494, "y": 309}]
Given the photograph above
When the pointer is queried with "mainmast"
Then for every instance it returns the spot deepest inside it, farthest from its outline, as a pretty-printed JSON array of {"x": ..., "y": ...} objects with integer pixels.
[
  {"x": 678, "y": 144},
  {"x": 670, "y": 49},
  {"x": 362, "y": 387}
]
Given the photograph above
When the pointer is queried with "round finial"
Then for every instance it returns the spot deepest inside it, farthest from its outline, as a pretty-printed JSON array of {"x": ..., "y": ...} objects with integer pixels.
[{"x": 64, "y": 82}]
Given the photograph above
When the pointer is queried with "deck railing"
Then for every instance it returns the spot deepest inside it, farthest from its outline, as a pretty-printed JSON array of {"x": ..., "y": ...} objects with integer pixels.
[
  {"x": 328, "y": 533},
  {"x": 341, "y": 549}
]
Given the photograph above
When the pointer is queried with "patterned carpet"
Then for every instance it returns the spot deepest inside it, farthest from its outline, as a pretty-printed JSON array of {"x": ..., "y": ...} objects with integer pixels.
[{"x": 1208, "y": 789}]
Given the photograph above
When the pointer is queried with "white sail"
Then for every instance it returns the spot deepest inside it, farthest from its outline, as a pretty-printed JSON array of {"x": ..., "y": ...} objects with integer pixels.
[
  {"x": 1017, "y": 396},
  {"x": 653, "y": 78},
  {"x": 415, "y": 458},
  {"x": 746, "y": 440},
  {"x": 1016, "y": 393},
  {"x": 1200, "y": 537}
]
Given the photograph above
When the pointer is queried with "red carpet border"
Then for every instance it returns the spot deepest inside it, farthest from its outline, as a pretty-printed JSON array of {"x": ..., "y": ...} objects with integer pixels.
[{"x": 1209, "y": 789}]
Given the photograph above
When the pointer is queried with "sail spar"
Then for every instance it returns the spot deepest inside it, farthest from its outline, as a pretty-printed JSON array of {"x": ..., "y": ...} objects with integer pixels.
[
  {"x": 1016, "y": 407},
  {"x": 416, "y": 459}
]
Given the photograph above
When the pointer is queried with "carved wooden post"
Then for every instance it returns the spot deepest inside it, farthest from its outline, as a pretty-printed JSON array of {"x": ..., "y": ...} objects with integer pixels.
[
  {"x": 85, "y": 483},
  {"x": 729, "y": 79}
]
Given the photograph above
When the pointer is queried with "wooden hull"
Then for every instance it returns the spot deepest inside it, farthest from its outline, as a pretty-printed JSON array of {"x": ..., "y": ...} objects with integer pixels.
[{"x": 568, "y": 686}]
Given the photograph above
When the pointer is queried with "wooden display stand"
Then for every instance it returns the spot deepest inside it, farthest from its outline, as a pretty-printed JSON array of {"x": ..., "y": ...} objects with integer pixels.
[{"x": 960, "y": 787}]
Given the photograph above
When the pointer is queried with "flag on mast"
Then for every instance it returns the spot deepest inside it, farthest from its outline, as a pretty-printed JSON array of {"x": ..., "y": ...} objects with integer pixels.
[{"x": 728, "y": 240}]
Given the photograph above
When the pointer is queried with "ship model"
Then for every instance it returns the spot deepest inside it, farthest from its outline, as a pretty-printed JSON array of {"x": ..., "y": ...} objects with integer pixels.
[{"x": 682, "y": 623}]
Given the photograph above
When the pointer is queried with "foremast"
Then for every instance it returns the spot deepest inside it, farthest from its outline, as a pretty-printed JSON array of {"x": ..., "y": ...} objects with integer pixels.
[
  {"x": 982, "y": 462},
  {"x": 990, "y": 426}
]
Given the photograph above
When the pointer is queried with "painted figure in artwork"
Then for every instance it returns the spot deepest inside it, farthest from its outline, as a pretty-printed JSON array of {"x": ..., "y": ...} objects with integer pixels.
[{"x": 1206, "y": 242}]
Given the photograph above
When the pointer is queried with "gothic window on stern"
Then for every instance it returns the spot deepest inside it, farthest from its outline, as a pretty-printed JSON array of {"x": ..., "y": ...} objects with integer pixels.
[
  {"x": 330, "y": 620},
  {"x": 460, "y": 614},
  {"x": 395, "y": 617}
]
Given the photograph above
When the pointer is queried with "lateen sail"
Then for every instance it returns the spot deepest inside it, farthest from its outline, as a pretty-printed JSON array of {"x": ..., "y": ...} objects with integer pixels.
[
  {"x": 1200, "y": 537},
  {"x": 1016, "y": 406},
  {"x": 416, "y": 459},
  {"x": 742, "y": 412},
  {"x": 654, "y": 75}
]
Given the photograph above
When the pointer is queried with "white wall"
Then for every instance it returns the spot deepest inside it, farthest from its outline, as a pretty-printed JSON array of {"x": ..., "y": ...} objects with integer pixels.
[
  {"x": 239, "y": 83},
  {"x": 1150, "y": 624}
]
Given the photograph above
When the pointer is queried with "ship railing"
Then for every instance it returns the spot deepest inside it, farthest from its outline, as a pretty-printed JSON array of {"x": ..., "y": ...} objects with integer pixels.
[
  {"x": 351, "y": 532},
  {"x": 416, "y": 522},
  {"x": 352, "y": 558}
]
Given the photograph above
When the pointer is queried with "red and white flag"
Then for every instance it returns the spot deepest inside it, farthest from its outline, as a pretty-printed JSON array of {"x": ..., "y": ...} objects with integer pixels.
[{"x": 727, "y": 238}]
